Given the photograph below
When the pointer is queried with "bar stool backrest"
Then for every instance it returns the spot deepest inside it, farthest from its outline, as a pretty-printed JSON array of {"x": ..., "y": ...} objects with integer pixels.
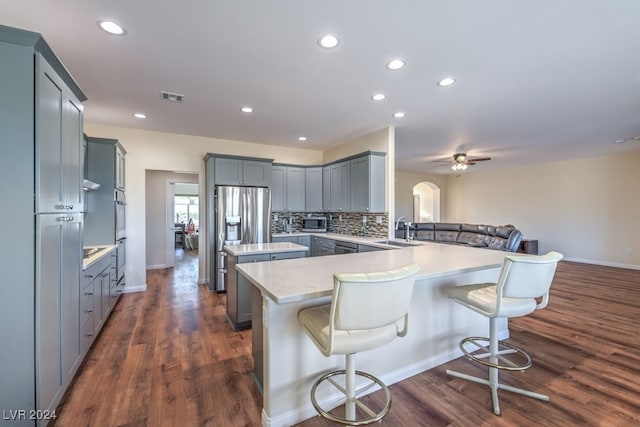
[
  {"x": 527, "y": 276},
  {"x": 371, "y": 300}
]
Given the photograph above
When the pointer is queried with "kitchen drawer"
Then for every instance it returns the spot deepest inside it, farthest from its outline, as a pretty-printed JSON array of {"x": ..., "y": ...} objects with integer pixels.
[
  {"x": 86, "y": 303},
  {"x": 286, "y": 255},
  {"x": 253, "y": 258},
  {"x": 86, "y": 335},
  {"x": 95, "y": 269}
]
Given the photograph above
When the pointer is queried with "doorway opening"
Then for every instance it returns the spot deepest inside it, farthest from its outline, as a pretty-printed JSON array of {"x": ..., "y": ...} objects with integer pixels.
[
  {"x": 426, "y": 202},
  {"x": 171, "y": 201}
]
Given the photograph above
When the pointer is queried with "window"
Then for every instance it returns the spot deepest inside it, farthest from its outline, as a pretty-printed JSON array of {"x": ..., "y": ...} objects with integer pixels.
[{"x": 187, "y": 207}]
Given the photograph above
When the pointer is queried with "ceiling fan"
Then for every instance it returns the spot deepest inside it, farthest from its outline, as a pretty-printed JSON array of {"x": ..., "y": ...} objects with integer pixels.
[{"x": 461, "y": 161}]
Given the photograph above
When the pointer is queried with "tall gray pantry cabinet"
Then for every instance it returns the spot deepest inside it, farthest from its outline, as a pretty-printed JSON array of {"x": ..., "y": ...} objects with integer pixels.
[{"x": 41, "y": 120}]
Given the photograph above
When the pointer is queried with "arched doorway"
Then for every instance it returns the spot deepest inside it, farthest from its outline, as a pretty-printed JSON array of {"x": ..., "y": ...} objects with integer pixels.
[{"x": 426, "y": 202}]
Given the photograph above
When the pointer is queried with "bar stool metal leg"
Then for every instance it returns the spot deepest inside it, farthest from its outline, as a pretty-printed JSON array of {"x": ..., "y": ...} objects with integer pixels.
[{"x": 494, "y": 365}]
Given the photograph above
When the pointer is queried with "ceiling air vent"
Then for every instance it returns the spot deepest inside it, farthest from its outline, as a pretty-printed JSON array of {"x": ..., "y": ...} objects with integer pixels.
[{"x": 168, "y": 96}]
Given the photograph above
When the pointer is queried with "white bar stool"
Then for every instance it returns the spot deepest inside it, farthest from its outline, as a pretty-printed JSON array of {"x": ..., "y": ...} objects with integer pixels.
[
  {"x": 363, "y": 315},
  {"x": 523, "y": 280}
]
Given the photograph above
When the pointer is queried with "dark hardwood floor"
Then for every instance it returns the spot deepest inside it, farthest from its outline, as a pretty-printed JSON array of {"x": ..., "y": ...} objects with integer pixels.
[{"x": 167, "y": 357}]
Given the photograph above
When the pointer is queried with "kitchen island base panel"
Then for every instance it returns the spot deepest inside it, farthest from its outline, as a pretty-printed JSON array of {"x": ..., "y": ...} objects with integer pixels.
[{"x": 291, "y": 363}]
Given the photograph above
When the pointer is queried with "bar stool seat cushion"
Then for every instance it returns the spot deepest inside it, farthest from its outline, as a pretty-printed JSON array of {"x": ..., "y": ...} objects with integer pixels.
[
  {"x": 482, "y": 298},
  {"x": 316, "y": 322}
]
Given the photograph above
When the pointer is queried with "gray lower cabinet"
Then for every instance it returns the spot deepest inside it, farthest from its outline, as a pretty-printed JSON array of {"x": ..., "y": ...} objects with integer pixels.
[
  {"x": 59, "y": 243},
  {"x": 305, "y": 241},
  {"x": 97, "y": 300},
  {"x": 321, "y": 246},
  {"x": 239, "y": 289},
  {"x": 367, "y": 248}
]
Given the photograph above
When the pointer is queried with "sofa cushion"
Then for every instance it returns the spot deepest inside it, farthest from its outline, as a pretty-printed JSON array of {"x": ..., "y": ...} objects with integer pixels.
[
  {"x": 504, "y": 231},
  {"x": 477, "y": 242},
  {"x": 447, "y": 226},
  {"x": 447, "y": 236},
  {"x": 472, "y": 228},
  {"x": 496, "y": 242}
]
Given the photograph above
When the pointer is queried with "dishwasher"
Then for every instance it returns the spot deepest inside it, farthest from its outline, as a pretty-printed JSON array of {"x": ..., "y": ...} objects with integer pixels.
[{"x": 346, "y": 247}]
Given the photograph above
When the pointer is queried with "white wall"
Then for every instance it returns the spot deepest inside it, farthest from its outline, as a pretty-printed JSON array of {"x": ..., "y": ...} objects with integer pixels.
[
  {"x": 148, "y": 150},
  {"x": 404, "y": 183},
  {"x": 588, "y": 209}
]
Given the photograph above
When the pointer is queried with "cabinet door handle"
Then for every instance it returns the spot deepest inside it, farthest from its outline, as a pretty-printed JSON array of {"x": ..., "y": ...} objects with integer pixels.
[
  {"x": 88, "y": 294},
  {"x": 89, "y": 335},
  {"x": 90, "y": 276},
  {"x": 88, "y": 311}
]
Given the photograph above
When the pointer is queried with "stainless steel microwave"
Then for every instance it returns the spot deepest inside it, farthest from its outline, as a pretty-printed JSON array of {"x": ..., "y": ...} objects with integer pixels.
[{"x": 314, "y": 224}]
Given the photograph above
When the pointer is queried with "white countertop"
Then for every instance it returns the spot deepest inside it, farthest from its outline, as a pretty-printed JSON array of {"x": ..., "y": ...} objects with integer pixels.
[
  {"x": 90, "y": 260},
  {"x": 294, "y": 280},
  {"x": 264, "y": 248}
]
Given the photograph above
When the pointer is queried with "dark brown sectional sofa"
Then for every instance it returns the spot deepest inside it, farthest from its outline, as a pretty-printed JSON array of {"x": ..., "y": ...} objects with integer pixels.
[{"x": 503, "y": 237}]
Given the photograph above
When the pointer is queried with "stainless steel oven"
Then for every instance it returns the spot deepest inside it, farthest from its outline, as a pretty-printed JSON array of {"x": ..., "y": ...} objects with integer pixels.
[{"x": 121, "y": 223}]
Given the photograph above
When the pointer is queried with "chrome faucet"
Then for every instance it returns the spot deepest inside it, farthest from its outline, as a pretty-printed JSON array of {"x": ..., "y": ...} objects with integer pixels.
[{"x": 406, "y": 227}]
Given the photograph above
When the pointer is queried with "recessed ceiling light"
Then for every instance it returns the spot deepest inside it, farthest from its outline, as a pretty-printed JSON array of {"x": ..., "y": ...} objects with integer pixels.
[
  {"x": 396, "y": 64},
  {"x": 378, "y": 97},
  {"x": 246, "y": 110},
  {"x": 112, "y": 28},
  {"x": 329, "y": 41},
  {"x": 398, "y": 115},
  {"x": 447, "y": 81},
  {"x": 140, "y": 116},
  {"x": 302, "y": 138}
]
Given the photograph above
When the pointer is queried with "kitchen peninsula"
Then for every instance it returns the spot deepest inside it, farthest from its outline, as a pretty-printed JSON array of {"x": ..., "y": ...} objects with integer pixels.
[
  {"x": 239, "y": 289},
  {"x": 287, "y": 362}
]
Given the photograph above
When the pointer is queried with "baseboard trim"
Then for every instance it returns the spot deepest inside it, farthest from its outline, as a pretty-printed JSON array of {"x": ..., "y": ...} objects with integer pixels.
[
  {"x": 131, "y": 289},
  {"x": 156, "y": 266},
  {"x": 604, "y": 263}
]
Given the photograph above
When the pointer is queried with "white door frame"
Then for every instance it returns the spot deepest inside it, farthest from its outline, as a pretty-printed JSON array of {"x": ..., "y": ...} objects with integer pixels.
[{"x": 170, "y": 240}]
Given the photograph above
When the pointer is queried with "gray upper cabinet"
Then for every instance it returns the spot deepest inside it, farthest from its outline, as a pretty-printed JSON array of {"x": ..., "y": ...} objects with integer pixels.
[
  {"x": 278, "y": 188},
  {"x": 41, "y": 119},
  {"x": 287, "y": 188},
  {"x": 340, "y": 176},
  {"x": 58, "y": 135},
  {"x": 105, "y": 166},
  {"x": 295, "y": 192},
  {"x": 234, "y": 171},
  {"x": 313, "y": 189},
  {"x": 326, "y": 189},
  {"x": 368, "y": 183}
]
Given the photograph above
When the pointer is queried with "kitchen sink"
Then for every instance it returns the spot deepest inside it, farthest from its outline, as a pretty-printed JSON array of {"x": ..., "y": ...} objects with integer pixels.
[{"x": 397, "y": 243}]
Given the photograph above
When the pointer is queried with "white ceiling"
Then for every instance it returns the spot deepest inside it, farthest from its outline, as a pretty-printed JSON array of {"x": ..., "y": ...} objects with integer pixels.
[{"x": 536, "y": 80}]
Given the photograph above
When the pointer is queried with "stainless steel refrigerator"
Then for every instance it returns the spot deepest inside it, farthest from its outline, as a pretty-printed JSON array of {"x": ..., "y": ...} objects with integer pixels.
[{"x": 241, "y": 215}]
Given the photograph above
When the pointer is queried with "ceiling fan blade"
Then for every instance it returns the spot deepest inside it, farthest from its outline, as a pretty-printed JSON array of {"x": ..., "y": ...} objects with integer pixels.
[{"x": 479, "y": 159}]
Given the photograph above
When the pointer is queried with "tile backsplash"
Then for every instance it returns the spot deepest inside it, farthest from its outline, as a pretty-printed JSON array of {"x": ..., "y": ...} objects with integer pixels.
[{"x": 345, "y": 223}]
